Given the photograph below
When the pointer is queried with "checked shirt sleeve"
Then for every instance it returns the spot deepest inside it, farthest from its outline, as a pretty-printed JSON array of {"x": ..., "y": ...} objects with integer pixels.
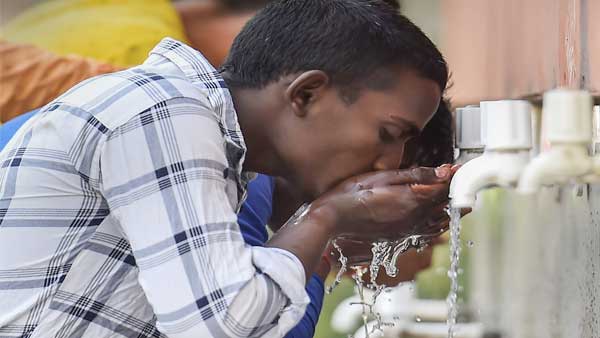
[{"x": 164, "y": 178}]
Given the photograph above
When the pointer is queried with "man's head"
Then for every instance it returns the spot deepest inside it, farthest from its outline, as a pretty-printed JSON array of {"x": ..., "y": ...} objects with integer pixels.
[{"x": 350, "y": 82}]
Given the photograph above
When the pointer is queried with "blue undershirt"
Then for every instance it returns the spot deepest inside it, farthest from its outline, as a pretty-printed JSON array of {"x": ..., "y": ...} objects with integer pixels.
[{"x": 253, "y": 217}]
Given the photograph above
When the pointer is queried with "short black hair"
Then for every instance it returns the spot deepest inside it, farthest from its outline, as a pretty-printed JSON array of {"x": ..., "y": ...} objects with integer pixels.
[
  {"x": 434, "y": 146},
  {"x": 347, "y": 39}
]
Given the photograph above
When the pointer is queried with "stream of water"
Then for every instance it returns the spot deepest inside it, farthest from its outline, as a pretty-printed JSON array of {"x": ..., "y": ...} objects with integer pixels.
[{"x": 452, "y": 299}]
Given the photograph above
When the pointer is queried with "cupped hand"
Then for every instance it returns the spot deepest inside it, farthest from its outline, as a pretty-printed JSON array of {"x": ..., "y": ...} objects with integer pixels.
[{"x": 388, "y": 204}]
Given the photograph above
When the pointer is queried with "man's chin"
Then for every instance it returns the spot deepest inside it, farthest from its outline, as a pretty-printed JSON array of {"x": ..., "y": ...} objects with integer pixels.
[
  {"x": 311, "y": 189},
  {"x": 322, "y": 188},
  {"x": 307, "y": 190},
  {"x": 310, "y": 194}
]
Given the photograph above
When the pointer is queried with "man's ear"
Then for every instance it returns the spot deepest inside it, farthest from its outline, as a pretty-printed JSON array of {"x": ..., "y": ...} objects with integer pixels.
[{"x": 305, "y": 89}]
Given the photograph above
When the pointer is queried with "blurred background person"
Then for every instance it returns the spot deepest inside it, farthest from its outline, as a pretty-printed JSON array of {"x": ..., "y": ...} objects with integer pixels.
[{"x": 116, "y": 33}]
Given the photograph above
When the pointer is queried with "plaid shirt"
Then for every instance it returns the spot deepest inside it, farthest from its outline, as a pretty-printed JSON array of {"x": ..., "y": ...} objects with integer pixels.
[{"x": 118, "y": 207}]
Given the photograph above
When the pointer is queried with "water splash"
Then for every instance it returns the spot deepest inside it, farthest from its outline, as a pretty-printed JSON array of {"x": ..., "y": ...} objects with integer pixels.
[
  {"x": 343, "y": 260},
  {"x": 453, "y": 273},
  {"x": 368, "y": 307},
  {"x": 380, "y": 251},
  {"x": 384, "y": 254}
]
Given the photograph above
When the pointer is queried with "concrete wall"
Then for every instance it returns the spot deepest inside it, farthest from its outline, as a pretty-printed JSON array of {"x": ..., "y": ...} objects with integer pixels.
[{"x": 513, "y": 48}]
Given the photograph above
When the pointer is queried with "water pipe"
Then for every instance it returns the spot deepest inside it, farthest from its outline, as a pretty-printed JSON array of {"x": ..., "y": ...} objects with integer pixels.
[
  {"x": 468, "y": 139},
  {"x": 596, "y": 131},
  {"x": 596, "y": 140},
  {"x": 507, "y": 128}
]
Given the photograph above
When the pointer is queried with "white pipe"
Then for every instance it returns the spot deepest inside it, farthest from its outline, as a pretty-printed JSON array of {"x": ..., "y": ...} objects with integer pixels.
[
  {"x": 563, "y": 162},
  {"x": 493, "y": 168}
]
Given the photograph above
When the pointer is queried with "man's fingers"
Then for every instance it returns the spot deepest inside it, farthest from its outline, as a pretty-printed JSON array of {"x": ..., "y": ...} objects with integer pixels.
[
  {"x": 431, "y": 194},
  {"x": 465, "y": 211},
  {"x": 421, "y": 175}
]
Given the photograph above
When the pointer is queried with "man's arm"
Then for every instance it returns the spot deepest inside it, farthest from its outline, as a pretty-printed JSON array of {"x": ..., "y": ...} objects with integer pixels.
[{"x": 253, "y": 217}]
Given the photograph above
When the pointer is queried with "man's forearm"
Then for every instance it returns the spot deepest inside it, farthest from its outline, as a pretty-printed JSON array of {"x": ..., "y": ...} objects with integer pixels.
[{"x": 306, "y": 237}]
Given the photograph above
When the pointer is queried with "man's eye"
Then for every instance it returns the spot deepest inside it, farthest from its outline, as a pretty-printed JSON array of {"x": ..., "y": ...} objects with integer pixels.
[{"x": 386, "y": 136}]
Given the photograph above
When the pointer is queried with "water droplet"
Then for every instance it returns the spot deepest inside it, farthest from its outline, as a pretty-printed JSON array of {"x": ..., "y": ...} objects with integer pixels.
[
  {"x": 418, "y": 319},
  {"x": 470, "y": 244}
]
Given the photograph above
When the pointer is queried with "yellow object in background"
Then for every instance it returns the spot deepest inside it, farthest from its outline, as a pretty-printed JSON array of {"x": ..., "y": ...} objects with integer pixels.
[{"x": 119, "y": 32}]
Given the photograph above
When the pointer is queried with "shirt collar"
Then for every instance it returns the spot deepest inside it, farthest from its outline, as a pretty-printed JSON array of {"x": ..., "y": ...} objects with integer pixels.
[{"x": 201, "y": 73}]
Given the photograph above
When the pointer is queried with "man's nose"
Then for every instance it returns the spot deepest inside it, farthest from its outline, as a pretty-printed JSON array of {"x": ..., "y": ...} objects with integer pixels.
[{"x": 390, "y": 159}]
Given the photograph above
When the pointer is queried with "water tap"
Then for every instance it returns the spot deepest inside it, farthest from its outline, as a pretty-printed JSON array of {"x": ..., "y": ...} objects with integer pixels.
[
  {"x": 506, "y": 130},
  {"x": 595, "y": 148},
  {"x": 567, "y": 134}
]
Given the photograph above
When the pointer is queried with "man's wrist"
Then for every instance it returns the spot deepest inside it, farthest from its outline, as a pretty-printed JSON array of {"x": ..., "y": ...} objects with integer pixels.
[
  {"x": 305, "y": 235},
  {"x": 325, "y": 218},
  {"x": 323, "y": 268}
]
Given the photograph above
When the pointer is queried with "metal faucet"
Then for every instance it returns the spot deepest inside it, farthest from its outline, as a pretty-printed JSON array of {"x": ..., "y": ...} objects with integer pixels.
[
  {"x": 506, "y": 126},
  {"x": 468, "y": 138}
]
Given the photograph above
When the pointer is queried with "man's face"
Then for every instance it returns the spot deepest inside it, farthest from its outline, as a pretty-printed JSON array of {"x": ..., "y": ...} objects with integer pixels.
[{"x": 335, "y": 140}]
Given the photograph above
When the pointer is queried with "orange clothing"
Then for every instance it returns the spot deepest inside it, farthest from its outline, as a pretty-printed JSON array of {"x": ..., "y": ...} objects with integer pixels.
[{"x": 30, "y": 77}]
